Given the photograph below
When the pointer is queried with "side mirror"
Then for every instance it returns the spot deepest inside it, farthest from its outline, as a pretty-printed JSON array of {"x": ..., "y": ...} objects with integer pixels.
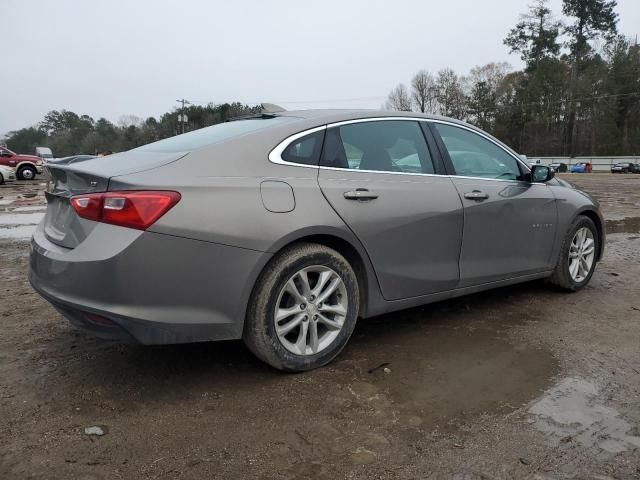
[{"x": 541, "y": 173}]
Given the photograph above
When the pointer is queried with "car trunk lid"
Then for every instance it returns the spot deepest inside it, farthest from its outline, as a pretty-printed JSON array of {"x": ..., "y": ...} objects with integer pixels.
[{"x": 62, "y": 225}]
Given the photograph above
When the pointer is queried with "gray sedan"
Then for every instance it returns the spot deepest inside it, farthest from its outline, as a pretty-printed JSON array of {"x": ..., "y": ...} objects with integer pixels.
[{"x": 284, "y": 228}]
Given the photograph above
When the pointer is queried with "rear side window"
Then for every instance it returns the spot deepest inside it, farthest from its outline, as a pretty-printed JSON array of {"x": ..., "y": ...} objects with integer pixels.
[
  {"x": 473, "y": 155},
  {"x": 211, "y": 135},
  {"x": 305, "y": 150},
  {"x": 382, "y": 146}
]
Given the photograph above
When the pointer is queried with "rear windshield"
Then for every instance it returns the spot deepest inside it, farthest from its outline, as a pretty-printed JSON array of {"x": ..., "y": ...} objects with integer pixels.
[{"x": 210, "y": 135}]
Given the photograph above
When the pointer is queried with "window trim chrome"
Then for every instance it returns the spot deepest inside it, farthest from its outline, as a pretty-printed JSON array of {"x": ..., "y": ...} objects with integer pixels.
[{"x": 275, "y": 156}]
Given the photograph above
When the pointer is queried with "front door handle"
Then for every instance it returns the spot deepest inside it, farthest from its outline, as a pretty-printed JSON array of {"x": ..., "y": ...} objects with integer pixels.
[
  {"x": 361, "y": 194},
  {"x": 476, "y": 195}
]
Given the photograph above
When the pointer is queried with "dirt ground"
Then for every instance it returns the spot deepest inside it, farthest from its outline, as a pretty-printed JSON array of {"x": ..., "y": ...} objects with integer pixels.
[{"x": 521, "y": 382}]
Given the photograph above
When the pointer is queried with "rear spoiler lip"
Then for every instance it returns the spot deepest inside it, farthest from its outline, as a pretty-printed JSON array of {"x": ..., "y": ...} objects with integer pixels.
[
  {"x": 69, "y": 180},
  {"x": 66, "y": 182},
  {"x": 104, "y": 173}
]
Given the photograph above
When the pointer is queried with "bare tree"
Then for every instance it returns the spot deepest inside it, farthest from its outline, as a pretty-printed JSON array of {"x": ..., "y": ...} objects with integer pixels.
[
  {"x": 129, "y": 120},
  {"x": 423, "y": 92},
  {"x": 399, "y": 99},
  {"x": 492, "y": 73},
  {"x": 452, "y": 102},
  {"x": 484, "y": 90}
]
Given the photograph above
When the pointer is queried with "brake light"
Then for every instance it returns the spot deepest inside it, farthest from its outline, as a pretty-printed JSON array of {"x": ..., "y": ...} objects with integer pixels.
[{"x": 132, "y": 209}]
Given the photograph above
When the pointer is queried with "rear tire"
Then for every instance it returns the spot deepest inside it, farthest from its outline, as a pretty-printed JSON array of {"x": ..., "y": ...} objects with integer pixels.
[
  {"x": 26, "y": 173},
  {"x": 1, "y": 179},
  {"x": 577, "y": 260},
  {"x": 305, "y": 285}
]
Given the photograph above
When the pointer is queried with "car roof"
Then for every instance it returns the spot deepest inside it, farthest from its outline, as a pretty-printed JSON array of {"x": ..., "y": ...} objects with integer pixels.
[
  {"x": 318, "y": 117},
  {"x": 338, "y": 115}
]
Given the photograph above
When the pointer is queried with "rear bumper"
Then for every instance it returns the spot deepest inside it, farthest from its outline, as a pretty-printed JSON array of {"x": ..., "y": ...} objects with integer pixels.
[
  {"x": 145, "y": 287},
  {"x": 107, "y": 326}
]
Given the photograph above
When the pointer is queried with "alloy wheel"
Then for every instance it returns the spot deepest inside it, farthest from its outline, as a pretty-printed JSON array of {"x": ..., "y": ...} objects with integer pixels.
[
  {"x": 581, "y": 254},
  {"x": 311, "y": 310}
]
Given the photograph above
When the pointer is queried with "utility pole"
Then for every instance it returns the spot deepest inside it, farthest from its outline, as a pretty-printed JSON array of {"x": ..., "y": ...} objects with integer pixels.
[{"x": 182, "y": 117}]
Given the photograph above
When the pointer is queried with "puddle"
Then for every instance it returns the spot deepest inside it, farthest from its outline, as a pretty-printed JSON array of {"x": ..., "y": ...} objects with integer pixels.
[
  {"x": 570, "y": 412},
  {"x": 458, "y": 369},
  {"x": 19, "y": 232},
  {"x": 30, "y": 208},
  {"x": 21, "y": 218},
  {"x": 625, "y": 225},
  {"x": 19, "y": 226}
]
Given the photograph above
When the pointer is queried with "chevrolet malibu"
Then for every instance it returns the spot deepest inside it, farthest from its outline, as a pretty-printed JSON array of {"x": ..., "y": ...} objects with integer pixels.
[{"x": 284, "y": 228}]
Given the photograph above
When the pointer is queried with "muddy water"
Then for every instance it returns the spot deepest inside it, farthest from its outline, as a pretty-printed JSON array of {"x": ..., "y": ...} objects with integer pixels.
[
  {"x": 10, "y": 218},
  {"x": 22, "y": 206},
  {"x": 570, "y": 411},
  {"x": 625, "y": 225},
  {"x": 19, "y": 225},
  {"x": 438, "y": 370}
]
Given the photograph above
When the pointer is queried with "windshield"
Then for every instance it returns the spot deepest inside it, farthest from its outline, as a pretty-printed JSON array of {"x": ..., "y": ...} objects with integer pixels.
[{"x": 211, "y": 135}]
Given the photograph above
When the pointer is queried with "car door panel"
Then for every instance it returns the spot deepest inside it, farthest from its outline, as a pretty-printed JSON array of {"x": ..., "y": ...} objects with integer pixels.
[
  {"x": 509, "y": 223},
  {"x": 412, "y": 231},
  {"x": 509, "y": 233}
]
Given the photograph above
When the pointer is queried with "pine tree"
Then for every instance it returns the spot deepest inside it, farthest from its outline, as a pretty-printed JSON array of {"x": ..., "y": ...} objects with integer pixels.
[{"x": 592, "y": 19}]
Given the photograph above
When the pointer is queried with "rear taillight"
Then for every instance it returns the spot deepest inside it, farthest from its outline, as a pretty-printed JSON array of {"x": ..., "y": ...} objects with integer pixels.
[{"x": 132, "y": 209}]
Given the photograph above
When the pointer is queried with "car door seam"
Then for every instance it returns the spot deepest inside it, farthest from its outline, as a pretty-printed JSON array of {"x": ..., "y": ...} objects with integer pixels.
[{"x": 364, "y": 248}]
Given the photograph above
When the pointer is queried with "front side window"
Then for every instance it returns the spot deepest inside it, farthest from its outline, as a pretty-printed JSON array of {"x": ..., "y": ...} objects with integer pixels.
[
  {"x": 305, "y": 150},
  {"x": 474, "y": 156},
  {"x": 381, "y": 146}
]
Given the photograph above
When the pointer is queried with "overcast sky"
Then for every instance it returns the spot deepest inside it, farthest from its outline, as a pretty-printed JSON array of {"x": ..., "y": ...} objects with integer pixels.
[{"x": 116, "y": 57}]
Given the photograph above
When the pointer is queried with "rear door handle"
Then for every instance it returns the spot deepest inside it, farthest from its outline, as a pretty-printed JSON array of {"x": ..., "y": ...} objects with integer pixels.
[
  {"x": 361, "y": 194},
  {"x": 476, "y": 195}
]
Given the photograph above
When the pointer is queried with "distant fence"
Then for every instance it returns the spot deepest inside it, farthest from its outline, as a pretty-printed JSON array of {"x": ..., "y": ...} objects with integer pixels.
[{"x": 599, "y": 164}]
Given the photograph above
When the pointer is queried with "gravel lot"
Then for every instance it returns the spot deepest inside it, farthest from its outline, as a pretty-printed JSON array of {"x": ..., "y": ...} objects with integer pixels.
[{"x": 521, "y": 382}]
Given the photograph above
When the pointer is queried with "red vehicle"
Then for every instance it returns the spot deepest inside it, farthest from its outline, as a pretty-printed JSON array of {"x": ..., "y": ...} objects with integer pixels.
[{"x": 27, "y": 166}]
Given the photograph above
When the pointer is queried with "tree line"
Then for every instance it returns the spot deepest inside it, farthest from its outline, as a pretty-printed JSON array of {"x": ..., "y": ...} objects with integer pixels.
[
  {"x": 578, "y": 94},
  {"x": 68, "y": 133}
]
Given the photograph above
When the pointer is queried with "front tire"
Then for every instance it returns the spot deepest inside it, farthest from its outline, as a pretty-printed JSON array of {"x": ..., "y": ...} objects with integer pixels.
[
  {"x": 578, "y": 255},
  {"x": 26, "y": 173},
  {"x": 303, "y": 309}
]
